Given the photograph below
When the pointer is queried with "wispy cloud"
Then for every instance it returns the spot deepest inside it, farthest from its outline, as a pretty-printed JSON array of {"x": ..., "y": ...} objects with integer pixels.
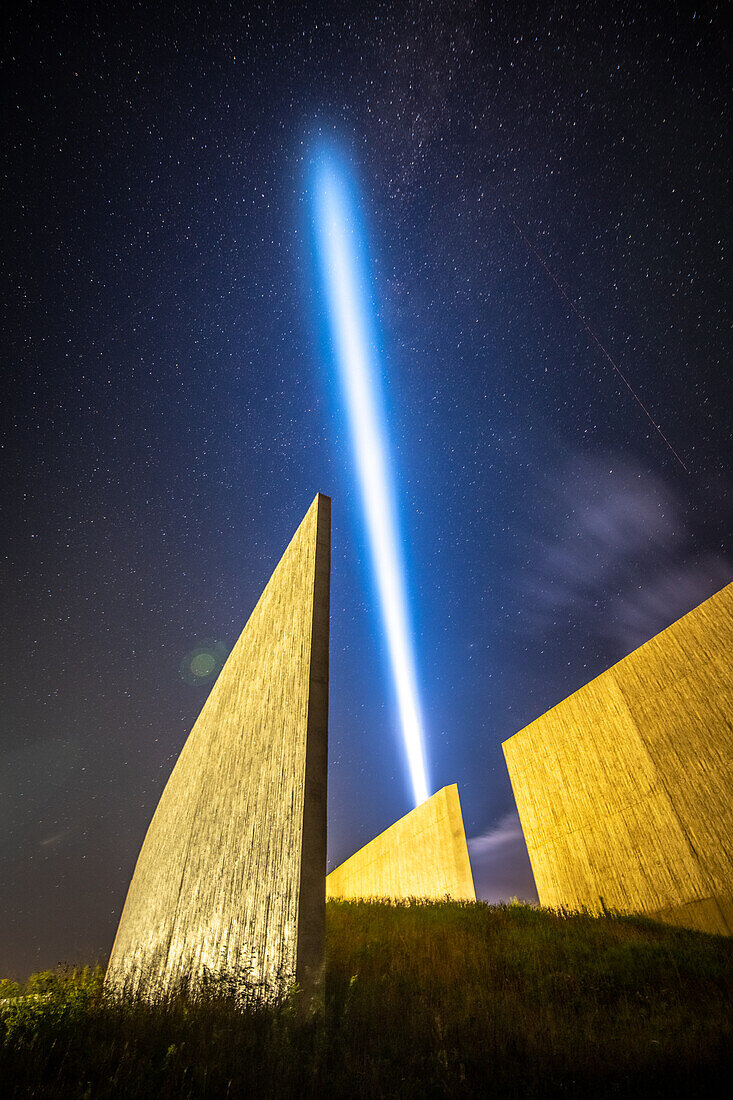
[
  {"x": 651, "y": 607},
  {"x": 501, "y": 867},
  {"x": 490, "y": 844},
  {"x": 623, "y": 555}
]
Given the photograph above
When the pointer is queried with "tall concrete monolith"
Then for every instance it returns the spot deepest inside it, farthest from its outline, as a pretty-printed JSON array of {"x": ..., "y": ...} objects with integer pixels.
[
  {"x": 231, "y": 875},
  {"x": 423, "y": 855},
  {"x": 625, "y": 789}
]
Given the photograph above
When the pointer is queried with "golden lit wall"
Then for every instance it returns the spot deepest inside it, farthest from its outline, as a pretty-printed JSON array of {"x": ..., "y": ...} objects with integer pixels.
[
  {"x": 625, "y": 790},
  {"x": 422, "y": 855},
  {"x": 231, "y": 872}
]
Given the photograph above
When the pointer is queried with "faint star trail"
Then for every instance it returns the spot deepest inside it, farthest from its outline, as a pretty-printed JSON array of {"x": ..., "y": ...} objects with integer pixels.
[{"x": 596, "y": 339}]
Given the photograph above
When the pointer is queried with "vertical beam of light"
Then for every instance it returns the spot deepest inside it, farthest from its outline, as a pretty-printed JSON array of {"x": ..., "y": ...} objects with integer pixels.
[{"x": 337, "y": 239}]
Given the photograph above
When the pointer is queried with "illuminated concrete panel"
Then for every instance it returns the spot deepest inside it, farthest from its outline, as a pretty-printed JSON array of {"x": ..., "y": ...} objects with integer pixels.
[
  {"x": 625, "y": 790},
  {"x": 231, "y": 873},
  {"x": 422, "y": 855}
]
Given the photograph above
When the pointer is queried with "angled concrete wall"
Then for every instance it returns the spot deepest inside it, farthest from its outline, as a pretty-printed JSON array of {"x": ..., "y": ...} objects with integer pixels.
[
  {"x": 231, "y": 873},
  {"x": 423, "y": 855},
  {"x": 625, "y": 789}
]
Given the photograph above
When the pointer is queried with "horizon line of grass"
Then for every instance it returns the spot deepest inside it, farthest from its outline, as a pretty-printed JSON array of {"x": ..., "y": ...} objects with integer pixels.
[{"x": 421, "y": 998}]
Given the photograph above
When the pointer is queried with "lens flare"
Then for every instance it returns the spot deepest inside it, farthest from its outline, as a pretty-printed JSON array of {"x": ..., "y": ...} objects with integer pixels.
[
  {"x": 204, "y": 663},
  {"x": 340, "y": 256}
]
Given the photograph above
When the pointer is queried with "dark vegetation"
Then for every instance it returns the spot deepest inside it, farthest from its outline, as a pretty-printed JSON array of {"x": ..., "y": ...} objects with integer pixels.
[{"x": 422, "y": 1000}]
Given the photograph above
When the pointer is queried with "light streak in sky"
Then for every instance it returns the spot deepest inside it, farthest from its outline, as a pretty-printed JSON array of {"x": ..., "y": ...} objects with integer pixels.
[
  {"x": 596, "y": 339},
  {"x": 342, "y": 265}
]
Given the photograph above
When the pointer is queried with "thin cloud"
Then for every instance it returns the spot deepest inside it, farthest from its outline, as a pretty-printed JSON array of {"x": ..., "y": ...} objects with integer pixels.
[
  {"x": 500, "y": 864},
  {"x": 622, "y": 559}
]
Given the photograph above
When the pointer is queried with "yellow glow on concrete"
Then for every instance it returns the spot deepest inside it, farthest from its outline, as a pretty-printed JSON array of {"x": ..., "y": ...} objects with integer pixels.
[
  {"x": 625, "y": 789},
  {"x": 423, "y": 855},
  {"x": 231, "y": 873}
]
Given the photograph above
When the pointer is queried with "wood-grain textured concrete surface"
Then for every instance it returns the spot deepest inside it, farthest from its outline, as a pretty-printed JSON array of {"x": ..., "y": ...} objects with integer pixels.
[
  {"x": 625, "y": 789},
  {"x": 423, "y": 855},
  {"x": 231, "y": 875}
]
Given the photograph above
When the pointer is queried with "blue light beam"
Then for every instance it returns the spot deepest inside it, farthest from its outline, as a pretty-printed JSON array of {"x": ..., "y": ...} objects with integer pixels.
[{"x": 338, "y": 246}]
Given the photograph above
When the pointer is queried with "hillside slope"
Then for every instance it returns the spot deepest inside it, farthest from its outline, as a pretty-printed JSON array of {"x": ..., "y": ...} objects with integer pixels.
[{"x": 440, "y": 999}]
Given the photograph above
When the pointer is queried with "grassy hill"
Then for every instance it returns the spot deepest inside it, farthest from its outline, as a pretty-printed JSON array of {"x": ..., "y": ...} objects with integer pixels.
[{"x": 423, "y": 1000}]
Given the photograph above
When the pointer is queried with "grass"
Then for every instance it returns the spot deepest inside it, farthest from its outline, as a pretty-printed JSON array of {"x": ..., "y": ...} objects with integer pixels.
[{"x": 423, "y": 1000}]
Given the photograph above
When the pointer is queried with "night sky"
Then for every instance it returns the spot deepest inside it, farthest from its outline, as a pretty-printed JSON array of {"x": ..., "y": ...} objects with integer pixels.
[{"x": 170, "y": 404}]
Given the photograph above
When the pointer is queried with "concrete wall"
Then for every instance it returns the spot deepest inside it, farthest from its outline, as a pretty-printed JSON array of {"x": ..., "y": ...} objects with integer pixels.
[
  {"x": 423, "y": 855},
  {"x": 625, "y": 789},
  {"x": 231, "y": 873}
]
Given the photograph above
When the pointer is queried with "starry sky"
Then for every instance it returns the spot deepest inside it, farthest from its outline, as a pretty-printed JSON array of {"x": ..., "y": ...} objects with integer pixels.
[{"x": 170, "y": 405}]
